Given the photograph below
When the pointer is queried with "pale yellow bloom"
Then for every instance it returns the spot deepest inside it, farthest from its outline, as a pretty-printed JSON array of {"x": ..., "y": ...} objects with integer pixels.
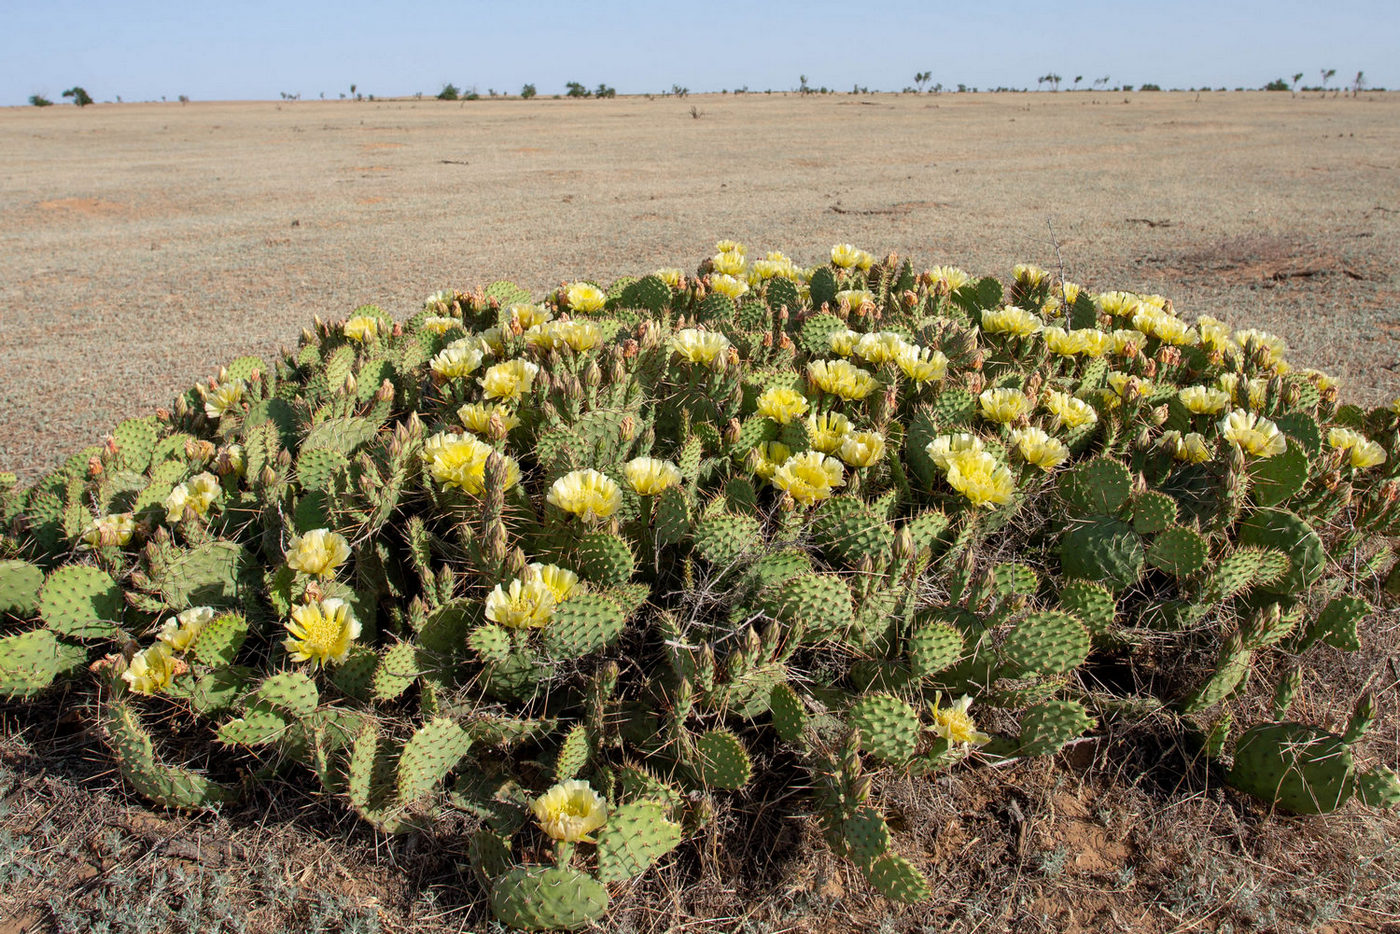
[
  {"x": 1003, "y": 406},
  {"x": 570, "y": 811},
  {"x": 1011, "y": 320},
  {"x": 809, "y": 477},
  {"x": 179, "y": 633},
  {"x": 1127, "y": 386},
  {"x": 490, "y": 341},
  {"x": 1038, "y": 448},
  {"x": 728, "y": 285},
  {"x": 321, "y": 632},
  {"x": 729, "y": 263},
  {"x": 1272, "y": 343},
  {"x": 561, "y": 581},
  {"x": 731, "y": 246},
  {"x": 1191, "y": 448},
  {"x": 771, "y": 268},
  {"x": 698, "y": 346},
  {"x": 649, "y": 476},
  {"x": 457, "y": 359},
  {"x": 1127, "y": 343},
  {"x": 1255, "y": 435},
  {"x": 151, "y": 670},
  {"x": 233, "y": 457},
  {"x": 223, "y": 398},
  {"x": 672, "y": 277},
  {"x": 529, "y": 315},
  {"x": 864, "y": 260},
  {"x": 978, "y": 476},
  {"x": 942, "y": 449},
  {"x": 1071, "y": 292},
  {"x": 922, "y": 364},
  {"x": 362, "y": 328},
  {"x": 1165, "y": 328},
  {"x": 440, "y": 324},
  {"x": 112, "y": 529},
  {"x": 825, "y": 432},
  {"x": 585, "y": 297},
  {"x": 954, "y": 724},
  {"x": 476, "y": 417},
  {"x": 524, "y": 604},
  {"x": 1068, "y": 411},
  {"x": 586, "y": 493},
  {"x": 1215, "y": 336},
  {"x": 843, "y": 341},
  {"x": 767, "y": 458},
  {"x": 1361, "y": 451},
  {"x": 845, "y": 255},
  {"x": 1059, "y": 341},
  {"x": 1029, "y": 275},
  {"x": 1203, "y": 400},
  {"x": 1248, "y": 392},
  {"x": 319, "y": 552},
  {"x": 460, "y": 461},
  {"x": 509, "y": 381},
  {"x": 950, "y": 277},
  {"x": 577, "y": 335},
  {"x": 862, "y": 448},
  {"x": 880, "y": 347},
  {"x": 782, "y": 404},
  {"x": 854, "y": 298},
  {"x": 1319, "y": 379},
  {"x": 841, "y": 378},
  {"x": 197, "y": 493},
  {"x": 1119, "y": 304}
]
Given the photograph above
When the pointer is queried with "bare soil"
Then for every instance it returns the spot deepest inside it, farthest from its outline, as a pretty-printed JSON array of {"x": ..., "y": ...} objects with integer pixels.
[{"x": 141, "y": 245}]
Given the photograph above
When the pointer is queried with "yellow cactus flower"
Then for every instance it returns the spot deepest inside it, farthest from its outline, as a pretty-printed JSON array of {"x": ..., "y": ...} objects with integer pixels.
[
  {"x": 1127, "y": 343},
  {"x": 362, "y": 328},
  {"x": 843, "y": 341},
  {"x": 1272, "y": 343},
  {"x": 231, "y": 460},
  {"x": 942, "y": 449},
  {"x": 570, "y": 811},
  {"x": 697, "y": 346},
  {"x": 319, "y": 552},
  {"x": 780, "y": 268},
  {"x": 1129, "y": 387},
  {"x": 880, "y": 347},
  {"x": 845, "y": 255},
  {"x": 561, "y": 582},
  {"x": 321, "y": 632},
  {"x": 1061, "y": 342},
  {"x": 1071, "y": 291},
  {"x": 1361, "y": 451},
  {"x": 510, "y": 380},
  {"x": 1119, "y": 304},
  {"x": 179, "y": 633},
  {"x": 1068, "y": 411},
  {"x": 1011, "y": 320},
  {"x": 728, "y": 263},
  {"x": 459, "y": 358},
  {"x": 864, "y": 260},
  {"x": 223, "y": 398},
  {"x": 1256, "y": 436},
  {"x": 579, "y": 336},
  {"x": 1203, "y": 400},
  {"x": 1028, "y": 275},
  {"x": 809, "y": 477},
  {"x": 862, "y": 448},
  {"x": 649, "y": 476},
  {"x": 825, "y": 432},
  {"x": 490, "y": 341},
  {"x": 109, "y": 530},
  {"x": 1190, "y": 448},
  {"x": 728, "y": 285},
  {"x": 978, "y": 476},
  {"x": 1215, "y": 336},
  {"x": 440, "y": 324},
  {"x": 525, "y": 604},
  {"x": 782, "y": 404},
  {"x": 585, "y": 297},
  {"x": 841, "y": 378},
  {"x": 922, "y": 364},
  {"x": 529, "y": 315},
  {"x": 955, "y": 724},
  {"x": 1092, "y": 342},
  {"x": 586, "y": 493},
  {"x": 731, "y": 246},
  {"x": 150, "y": 670},
  {"x": 1003, "y": 406},
  {"x": 460, "y": 461},
  {"x": 1038, "y": 448},
  {"x": 854, "y": 298},
  {"x": 197, "y": 493},
  {"x": 767, "y": 458},
  {"x": 949, "y": 277},
  {"x": 476, "y": 417},
  {"x": 1166, "y": 328},
  {"x": 672, "y": 277}
]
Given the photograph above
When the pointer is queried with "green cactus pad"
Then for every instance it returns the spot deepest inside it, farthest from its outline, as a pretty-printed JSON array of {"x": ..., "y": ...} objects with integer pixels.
[
  {"x": 1296, "y": 767},
  {"x": 721, "y": 761},
  {"x": 848, "y": 529},
  {"x": 258, "y": 726},
  {"x": 317, "y": 468},
  {"x": 1048, "y": 643},
  {"x": 604, "y": 559},
  {"x": 634, "y": 838},
  {"x": 582, "y": 624},
  {"x": 81, "y": 602},
  {"x": 1379, "y": 788},
  {"x": 1098, "y": 487},
  {"x": 1048, "y": 725},
  {"x": 212, "y": 574},
  {"x": 1092, "y": 604},
  {"x": 396, "y": 671},
  {"x": 218, "y": 643},
  {"x": 1231, "y": 669},
  {"x": 789, "y": 713},
  {"x": 1153, "y": 511},
  {"x": 20, "y": 582},
  {"x": 136, "y": 441},
  {"x": 935, "y": 647},
  {"x": 433, "y": 751},
  {"x": 889, "y": 728},
  {"x": 31, "y": 661},
  {"x": 1013, "y": 579},
  {"x": 1338, "y": 623},
  {"x": 671, "y": 517},
  {"x": 573, "y": 753},
  {"x": 1104, "y": 550},
  {"x": 547, "y": 898},
  {"x": 1178, "y": 551},
  {"x": 723, "y": 539},
  {"x": 168, "y": 786},
  {"x": 649, "y": 292},
  {"x": 781, "y": 292},
  {"x": 895, "y": 877},
  {"x": 292, "y": 691},
  {"x": 1279, "y": 478},
  {"x": 1286, "y": 532},
  {"x": 821, "y": 602},
  {"x": 490, "y": 642}
]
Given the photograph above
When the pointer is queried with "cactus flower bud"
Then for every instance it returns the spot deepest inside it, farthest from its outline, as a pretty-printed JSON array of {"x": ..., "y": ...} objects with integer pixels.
[
  {"x": 904, "y": 550},
  {"x": 94, "y": 466},
  {"x": 385, "y": 393},
  {"x": 351, "y": 384},
  {"x": 731, "y": 432},
  {"x": 182, "y": 408},
  {"x": 628, "y": 429},
  {"x": 266, "y": 476}
]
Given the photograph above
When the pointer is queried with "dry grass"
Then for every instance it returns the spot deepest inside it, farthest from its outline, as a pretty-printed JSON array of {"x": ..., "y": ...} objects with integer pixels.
[{"x": 140, "y": 245}]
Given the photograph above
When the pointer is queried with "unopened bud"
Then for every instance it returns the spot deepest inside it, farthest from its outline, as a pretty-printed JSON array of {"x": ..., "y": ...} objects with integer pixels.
[
  {"x": 94, "y": 466},
  {"x": 517, "y": 560},
  {"x": 904, "y": 550},
  {"x": 266, "y": 476},
  {"x": 628, "y": 429},
  {"x": 1158, "y": 416},
  {"x": 385, "y": 392},
  {"x": 351, "y": 384},
  {"x": 731, "y": 432}
]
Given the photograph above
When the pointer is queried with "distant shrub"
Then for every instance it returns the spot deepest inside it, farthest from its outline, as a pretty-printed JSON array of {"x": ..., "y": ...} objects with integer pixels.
[
  {"x": 1146, "y": 87},
  {"x": 449, "y": 92},
  {"x": 39, "y": 100},
  {"x": 604, "y": 91},
  {"x": 527, "y": 92},
  {"x": 1278, "y": 84},
  {"x": 80, "y": 97}
]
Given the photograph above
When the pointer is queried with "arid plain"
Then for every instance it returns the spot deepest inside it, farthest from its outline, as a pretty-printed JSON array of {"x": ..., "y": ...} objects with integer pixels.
[{"x": 143, "y": 244}]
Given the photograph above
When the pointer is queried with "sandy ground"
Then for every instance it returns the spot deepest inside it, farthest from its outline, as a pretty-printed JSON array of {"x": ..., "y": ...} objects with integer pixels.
[{"x": 141, "y": 245}]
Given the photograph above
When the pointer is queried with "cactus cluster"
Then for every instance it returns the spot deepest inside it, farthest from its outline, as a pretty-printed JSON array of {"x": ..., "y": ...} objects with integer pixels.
[{"x": 567, "y": 564}]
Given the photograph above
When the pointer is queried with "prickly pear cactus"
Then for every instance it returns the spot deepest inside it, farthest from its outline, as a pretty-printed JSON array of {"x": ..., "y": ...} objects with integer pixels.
[{"x": 636, "y": 539}]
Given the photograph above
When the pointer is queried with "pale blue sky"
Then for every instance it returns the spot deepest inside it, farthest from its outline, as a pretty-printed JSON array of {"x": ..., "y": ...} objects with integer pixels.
[{"x": 144, "y": 49}]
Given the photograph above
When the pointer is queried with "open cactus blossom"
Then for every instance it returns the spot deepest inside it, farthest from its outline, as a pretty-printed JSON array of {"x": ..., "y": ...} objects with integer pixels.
[
  {"x": 322, "y": 632},
  {"x": 589, "y": 494},
  {"x": 318, "y": 552},
  {"x": 570, "y": 811}
]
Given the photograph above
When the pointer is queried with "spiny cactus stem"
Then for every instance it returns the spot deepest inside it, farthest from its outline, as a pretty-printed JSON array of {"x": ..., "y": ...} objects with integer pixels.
[{"x": 563, "y": 853}]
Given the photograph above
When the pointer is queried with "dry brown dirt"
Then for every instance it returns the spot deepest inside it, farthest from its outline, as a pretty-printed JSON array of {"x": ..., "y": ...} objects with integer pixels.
[{"x": 142, "y": 245}]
